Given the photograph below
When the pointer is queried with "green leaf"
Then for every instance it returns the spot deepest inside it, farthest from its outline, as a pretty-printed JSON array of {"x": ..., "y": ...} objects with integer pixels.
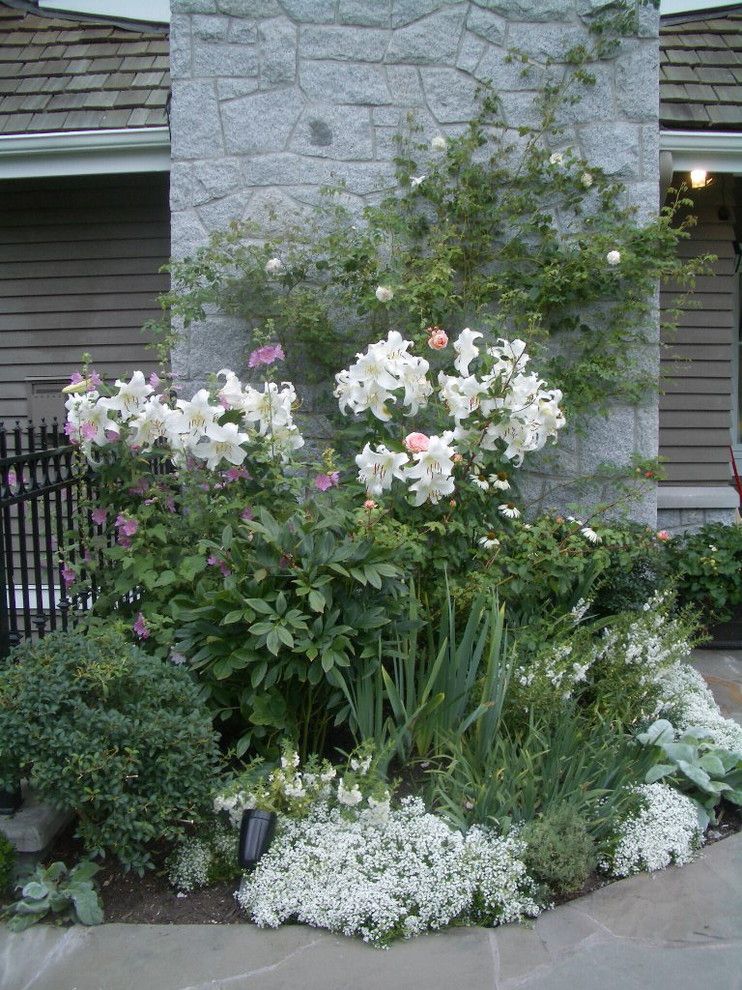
[
  {"x": 236, "y": 615},
  {"x": 260, "y": 605},
  {"x": 317, "y": 601}
]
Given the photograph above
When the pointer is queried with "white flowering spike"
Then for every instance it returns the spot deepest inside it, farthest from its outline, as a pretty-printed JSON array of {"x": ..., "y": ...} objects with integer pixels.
[{"x": 377, "y": 469}]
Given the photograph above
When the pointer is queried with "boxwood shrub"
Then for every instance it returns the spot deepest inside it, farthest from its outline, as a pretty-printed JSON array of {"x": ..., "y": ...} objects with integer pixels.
[{"x": 117, "y": 736}]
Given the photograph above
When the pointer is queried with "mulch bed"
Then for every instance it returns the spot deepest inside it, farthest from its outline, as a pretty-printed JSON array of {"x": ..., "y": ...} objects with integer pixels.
[{"x": 131, "y": 899}]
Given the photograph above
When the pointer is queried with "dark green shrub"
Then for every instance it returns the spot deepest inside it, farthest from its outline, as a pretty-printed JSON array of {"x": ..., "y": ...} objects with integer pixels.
[
  {"x": 560, "y": 851},
  {"x": 706, "y": 567},
  {"x": 7, "y": 863},
  {"x": 117, "y": 736}
]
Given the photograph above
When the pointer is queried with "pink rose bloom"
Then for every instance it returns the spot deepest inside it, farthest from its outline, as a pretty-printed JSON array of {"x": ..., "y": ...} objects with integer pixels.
[
  {"x": 99, "y": 516},
  {"x": 663, "y": 535},
  {"x": 325, "y": 481},
  {"x": 438, "y": 338},
  {"x": 140, "y": 627},
  {"x": 247, "y": 514},
  {"x": 266, "y": 355},
  {"x": 416, "y": 443}
]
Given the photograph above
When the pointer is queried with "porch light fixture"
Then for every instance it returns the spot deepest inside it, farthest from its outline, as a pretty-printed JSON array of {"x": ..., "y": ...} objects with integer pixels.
[{"x": 699, "y": 178}]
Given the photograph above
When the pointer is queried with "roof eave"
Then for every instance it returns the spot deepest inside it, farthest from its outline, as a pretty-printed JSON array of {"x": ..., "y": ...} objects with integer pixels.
[
  {"x": 133, "y": 149},
  {"x": 716, "y": 151}
]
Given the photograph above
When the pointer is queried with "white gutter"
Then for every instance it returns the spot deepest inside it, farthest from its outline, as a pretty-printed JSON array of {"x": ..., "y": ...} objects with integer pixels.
[
  {"x": 132, "y": 149},
  {"x": 716, "y": 151}
]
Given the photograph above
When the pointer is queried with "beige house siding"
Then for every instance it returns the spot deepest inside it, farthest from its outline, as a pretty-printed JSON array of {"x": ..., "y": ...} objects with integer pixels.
[
  {"x": 695, "y": 407},
  {"x": 79, "y": 271}
]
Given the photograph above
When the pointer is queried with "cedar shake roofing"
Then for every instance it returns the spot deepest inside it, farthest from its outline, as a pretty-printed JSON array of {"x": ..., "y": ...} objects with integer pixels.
[
  {"x": 70, "y": 72},
  {"x": 701, "y": 70}
]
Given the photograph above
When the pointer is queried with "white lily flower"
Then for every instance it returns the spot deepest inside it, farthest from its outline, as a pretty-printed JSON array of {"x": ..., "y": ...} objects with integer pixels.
[
  {"x": 130, "y": 396},
  {"x": 466, "y": 350},
  {"x": 377, "y": 469},
  {"x": 223, "y": 443}
]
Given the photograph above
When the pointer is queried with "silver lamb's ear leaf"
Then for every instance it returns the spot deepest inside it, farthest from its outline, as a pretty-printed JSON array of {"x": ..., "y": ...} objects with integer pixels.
[
  {"x": 35, "y": 890},
  {"x": 658, "y": 732},
  {"x": 657, "y": 772}
]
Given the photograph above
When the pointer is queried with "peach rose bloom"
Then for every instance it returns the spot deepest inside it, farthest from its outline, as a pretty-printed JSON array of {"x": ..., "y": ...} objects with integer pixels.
[
  {"x": 438, "y": 338},
  {"x": 416, "y": 443}
]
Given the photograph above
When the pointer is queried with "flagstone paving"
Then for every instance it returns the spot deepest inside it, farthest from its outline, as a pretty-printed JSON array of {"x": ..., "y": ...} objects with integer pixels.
[{"x": 679, "y": 929}]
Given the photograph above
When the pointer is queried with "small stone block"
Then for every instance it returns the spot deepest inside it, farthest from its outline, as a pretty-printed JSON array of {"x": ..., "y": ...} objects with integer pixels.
[{"x": 35, "y": 825}]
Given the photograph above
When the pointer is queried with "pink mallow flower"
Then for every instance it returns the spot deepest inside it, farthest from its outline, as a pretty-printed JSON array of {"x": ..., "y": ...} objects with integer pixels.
[
  {"x": 234, "y": 473},
  {"x": 95, "y": 381},
  {"x": 155, "y": 380},
  {"x": 75, "y": 378},
  {"x": 126, "y": 525},
  {"x": 266, "y": 355},
  {"x": 140, "y": 627},
  {"x": 69, "y": 575},
  {"x": 99, "y": 516},
  {"x": 416, "y": 443},
  {"x": 325, "y": 481},
  {"x": 247, "y": 514},
  {"x": 88, "y": 431},
  {"x": 213, "y": 561}
]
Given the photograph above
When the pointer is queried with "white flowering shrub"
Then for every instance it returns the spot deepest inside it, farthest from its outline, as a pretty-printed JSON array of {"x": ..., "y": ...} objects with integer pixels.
[
  {"x": 380, "y": 881},
  {"x": 665, "y": 830},
  {"x": 687, "y": 701},
  {"x": 496, "y": 415},
  {"x": 632, "y": 656}
]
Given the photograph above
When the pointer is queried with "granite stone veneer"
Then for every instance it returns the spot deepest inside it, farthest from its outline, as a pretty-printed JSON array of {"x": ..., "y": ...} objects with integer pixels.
[{"x": 274, "y": 98}]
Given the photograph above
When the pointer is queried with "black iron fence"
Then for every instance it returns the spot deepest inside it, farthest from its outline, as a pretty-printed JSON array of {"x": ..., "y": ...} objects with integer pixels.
[
  {"x": 43, "y": 538},
  {"x": 41, "y": 480}
]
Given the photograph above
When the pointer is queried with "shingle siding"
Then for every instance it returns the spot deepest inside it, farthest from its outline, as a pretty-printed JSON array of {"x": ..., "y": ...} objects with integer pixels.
[
  {"x": 695, "y": 409},
  {"x": 79, "y": 271}
]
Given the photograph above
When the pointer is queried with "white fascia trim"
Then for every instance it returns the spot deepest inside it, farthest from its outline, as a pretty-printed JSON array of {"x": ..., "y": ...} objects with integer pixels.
[
  {"x": 134, "y": 149},
  {"x": 716, "y": 151}
]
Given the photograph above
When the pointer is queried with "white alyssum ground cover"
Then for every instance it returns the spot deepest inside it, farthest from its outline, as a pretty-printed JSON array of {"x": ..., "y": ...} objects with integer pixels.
[{"x": 381, "y": 881}]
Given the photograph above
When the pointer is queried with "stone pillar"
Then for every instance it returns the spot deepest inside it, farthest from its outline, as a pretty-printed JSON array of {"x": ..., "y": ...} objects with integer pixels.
[{"x": 274, "y": 98}]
